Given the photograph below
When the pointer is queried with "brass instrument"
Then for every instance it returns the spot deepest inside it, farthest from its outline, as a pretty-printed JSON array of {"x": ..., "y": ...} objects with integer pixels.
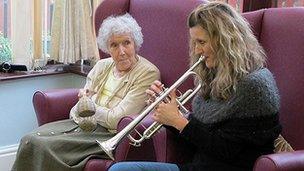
[{"x": 110, "y": 145}]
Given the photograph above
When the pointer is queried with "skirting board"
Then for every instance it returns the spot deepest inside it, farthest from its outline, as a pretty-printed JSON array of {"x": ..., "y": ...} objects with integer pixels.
[{"x": 7, "y": 157}]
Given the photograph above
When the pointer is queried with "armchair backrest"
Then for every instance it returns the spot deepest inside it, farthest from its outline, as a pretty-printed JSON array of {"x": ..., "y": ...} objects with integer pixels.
[
  {"x": 281, "y": 33},
  {"x": 164, "y": 28},
  {"x": 165, "y": 33}
]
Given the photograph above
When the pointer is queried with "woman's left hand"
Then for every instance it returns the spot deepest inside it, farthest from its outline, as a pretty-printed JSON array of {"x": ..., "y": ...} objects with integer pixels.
[{"x": 168, "y": 113}]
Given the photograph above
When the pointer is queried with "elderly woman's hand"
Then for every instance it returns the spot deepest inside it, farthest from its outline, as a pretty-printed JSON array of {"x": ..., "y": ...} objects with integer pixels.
[
  {"x": 153, "y": 91},
  {"x": 85, "y": 92}
]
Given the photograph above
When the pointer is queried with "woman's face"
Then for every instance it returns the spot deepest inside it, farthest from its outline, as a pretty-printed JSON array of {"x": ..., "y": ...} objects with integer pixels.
[
  {"x": 202, "y": 45},
  {"x": 122, "y": 50}
]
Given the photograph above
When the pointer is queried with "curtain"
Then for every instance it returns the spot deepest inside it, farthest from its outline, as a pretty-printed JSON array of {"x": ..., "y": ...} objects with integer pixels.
[
  {"x": 37, "y": 30},
  {"x": 26, "y": 38},
  {"x": 72, "y": 36},
  {"x": 22, "y": 32}
]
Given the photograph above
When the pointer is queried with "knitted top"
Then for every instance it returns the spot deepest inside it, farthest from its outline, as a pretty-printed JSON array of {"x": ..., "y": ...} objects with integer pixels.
[{"x": 232, "y": 134}]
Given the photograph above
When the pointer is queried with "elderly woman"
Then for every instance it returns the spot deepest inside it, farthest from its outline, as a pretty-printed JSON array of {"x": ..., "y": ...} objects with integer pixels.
[
  {"x": 116, "y": 87},
  {"x": 235, "y": 115}
]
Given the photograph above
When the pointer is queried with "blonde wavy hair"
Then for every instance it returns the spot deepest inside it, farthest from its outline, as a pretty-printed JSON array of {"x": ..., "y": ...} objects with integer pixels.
[{"x": 237, "y": 51}]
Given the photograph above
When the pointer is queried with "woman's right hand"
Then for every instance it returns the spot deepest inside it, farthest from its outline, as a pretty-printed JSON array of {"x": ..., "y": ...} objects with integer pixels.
[
  {"x": 153, "y": 91},
  {"x": 85, "y": 92},
  {"x": 166, "y": 113}
]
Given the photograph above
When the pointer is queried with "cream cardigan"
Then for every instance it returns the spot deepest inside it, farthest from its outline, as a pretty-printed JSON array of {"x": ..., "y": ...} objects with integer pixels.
[{"x": 131, "y": 91}]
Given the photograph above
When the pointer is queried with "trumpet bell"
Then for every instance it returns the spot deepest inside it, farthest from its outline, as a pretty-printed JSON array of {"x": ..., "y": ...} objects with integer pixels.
[{"x": 107, "y": 147}]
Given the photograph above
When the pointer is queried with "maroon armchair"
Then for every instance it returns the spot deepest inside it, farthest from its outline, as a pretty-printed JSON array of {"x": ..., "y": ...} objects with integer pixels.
[
  {"x": 165, "y": 44},
  {"x": 53, "y": 105},
  {"x": 281, "y": 32},
  {"x": 286, "y": 61}
]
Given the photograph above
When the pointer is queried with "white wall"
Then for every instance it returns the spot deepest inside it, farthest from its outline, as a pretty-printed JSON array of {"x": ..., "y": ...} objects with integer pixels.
[
  {"x": 7, "y": 157},
  {"x": 17, "y": 116}
]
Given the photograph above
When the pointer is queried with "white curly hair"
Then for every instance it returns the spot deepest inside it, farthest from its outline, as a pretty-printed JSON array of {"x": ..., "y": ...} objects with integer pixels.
[{"x": 119, "y": 25}]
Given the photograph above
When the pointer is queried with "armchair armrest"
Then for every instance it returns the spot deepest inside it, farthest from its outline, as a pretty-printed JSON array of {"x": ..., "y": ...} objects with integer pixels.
[
  {"x": 52, "y": 105},
  {"x": 287, "y": 161},
  {"x": 164, "y": 146},
  {"x": 125, "y": 151},
  {"x": 171, "y": 148}
]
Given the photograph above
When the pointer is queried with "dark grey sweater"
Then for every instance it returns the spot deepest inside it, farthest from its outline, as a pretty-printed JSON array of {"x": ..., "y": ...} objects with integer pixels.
[{"x": 232, "y": 134}]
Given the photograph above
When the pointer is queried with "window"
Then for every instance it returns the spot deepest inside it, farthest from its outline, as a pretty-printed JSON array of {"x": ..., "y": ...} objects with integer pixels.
[
  {"x": 5, "y": 45},
  {"x": 288, "y": 3},
  {"x": 26, "y": 30},
  {"x": 251, "y": 5},
  {"x": 46, "y": 38},
  {"x": 5, "y": 17},
  {"x": 237, "y": 4}
]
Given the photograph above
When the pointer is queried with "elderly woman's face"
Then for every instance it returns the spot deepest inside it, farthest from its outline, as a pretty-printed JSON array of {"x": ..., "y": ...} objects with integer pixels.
[
  {"x": 202, "y": 45},
  {"x": 122, "y": 50}
]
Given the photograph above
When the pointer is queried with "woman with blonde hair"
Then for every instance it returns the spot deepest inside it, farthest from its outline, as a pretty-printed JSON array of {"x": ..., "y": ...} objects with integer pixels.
[{"x": 235, "y": 115}]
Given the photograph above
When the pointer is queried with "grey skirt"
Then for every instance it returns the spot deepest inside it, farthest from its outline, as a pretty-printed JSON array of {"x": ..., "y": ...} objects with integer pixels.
[{"x": 59, "y": 146}]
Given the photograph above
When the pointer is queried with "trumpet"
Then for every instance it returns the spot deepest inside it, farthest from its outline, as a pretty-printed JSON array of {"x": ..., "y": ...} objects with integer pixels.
[{"x": 110, "y": 145}]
